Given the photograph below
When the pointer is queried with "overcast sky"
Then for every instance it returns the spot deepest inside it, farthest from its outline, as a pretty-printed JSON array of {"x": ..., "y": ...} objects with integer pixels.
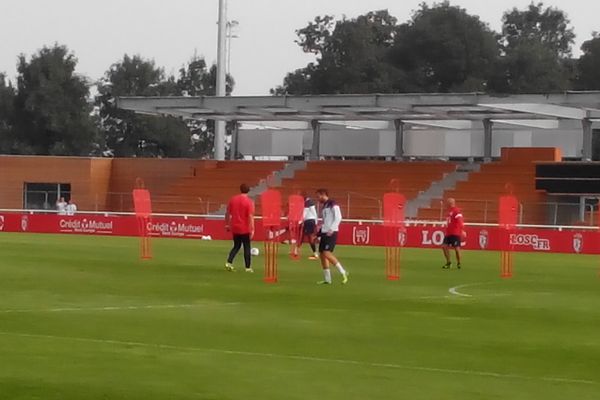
[{"x": 169, "y": 31}]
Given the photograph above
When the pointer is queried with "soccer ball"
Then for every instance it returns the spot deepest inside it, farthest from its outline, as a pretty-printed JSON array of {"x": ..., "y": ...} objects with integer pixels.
[{"x": 254, "y": 251}]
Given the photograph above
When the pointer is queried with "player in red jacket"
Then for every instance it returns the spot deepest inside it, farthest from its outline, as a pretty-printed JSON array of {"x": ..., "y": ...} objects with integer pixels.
[
  {"x": 454, "y": 233},
  {"x": 239, "y": 219}
]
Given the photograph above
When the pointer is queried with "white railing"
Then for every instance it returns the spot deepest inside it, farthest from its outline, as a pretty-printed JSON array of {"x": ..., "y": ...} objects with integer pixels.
[{"x": 412, "y": 222}]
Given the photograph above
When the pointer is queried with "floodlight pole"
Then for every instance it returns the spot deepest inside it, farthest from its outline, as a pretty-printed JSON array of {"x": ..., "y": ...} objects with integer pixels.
[{"x": 221, "y": 77}]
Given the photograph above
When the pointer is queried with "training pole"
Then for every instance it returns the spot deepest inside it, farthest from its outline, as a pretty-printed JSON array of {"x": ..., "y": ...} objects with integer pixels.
[
  {"x": 143, "y": 214},
  {"x": 271, "y": 219},
  {"x": 507, "y": 220},
  {"x": 395, "y": 233}
]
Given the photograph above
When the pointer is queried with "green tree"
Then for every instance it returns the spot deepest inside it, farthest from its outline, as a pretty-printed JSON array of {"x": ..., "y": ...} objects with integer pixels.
[
  {"x": 196, "y": 79},
  {"x": 547, "y": 26},
  {"x": 7, "y": 98},
  {"x": 127, "y": 134},
  {"x": 51, "y": 108},
  {"x": 352, "y": 56},
  {"x": 536, "y": 46},
  {"x": 441, "y": 49},
  {"x": 588, "y": 65},
  {"x": 445, "y": 49}
]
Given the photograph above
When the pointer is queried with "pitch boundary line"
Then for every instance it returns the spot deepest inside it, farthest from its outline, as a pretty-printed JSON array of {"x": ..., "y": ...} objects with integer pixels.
[
  {"x": 449, "y": 371},
  {"x": 112, "y": 308}
]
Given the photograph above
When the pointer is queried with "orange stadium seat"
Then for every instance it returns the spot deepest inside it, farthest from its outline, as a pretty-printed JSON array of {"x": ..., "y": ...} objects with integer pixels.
[{"x": 514, "y": 173}]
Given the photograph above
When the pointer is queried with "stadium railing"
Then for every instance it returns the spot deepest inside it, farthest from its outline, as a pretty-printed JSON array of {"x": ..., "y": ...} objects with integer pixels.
[{"x": 408, "y": 222}]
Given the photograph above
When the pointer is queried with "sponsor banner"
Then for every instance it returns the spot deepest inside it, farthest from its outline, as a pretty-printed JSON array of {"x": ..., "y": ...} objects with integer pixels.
[{"x": 366, "y": 234}]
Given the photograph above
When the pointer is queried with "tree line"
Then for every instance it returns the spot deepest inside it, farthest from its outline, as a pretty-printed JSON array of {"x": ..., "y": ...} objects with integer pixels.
[
  {"x": 443, "y": 48},
  {"x": 48, "y": 110}
]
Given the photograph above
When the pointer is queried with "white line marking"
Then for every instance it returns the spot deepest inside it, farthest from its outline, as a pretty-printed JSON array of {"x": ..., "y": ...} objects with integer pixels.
[
  {"x": 432, "y": 297},
  {"x": 113, "y": 308},
  {"x": 488, "y": 374},
  {"x": 454, "y": 290}
]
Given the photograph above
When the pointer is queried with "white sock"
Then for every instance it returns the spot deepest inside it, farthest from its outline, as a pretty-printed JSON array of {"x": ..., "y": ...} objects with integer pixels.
[
  {"x": 327, "y": 275},
  {"x": 340, "y": 268},
  {"x": 316, "y": 255}
]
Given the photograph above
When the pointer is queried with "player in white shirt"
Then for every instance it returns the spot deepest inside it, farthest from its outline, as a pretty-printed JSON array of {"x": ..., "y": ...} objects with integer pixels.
[
  {"x": 309, "y": 226},
  {"x": 332, "y": 218},
  {"x": 61, "y": 206},
  {"x": 71, "y": 208}
]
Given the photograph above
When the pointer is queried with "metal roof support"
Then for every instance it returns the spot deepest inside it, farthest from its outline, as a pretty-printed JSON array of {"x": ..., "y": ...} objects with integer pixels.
[
  {"x": 488, "y": 128},
  {"x": 399, "y": 125},
  {"x": 586, "y": 151},
  {"x": 315, "y": 154},
  {"x": 235, "y": 140}
]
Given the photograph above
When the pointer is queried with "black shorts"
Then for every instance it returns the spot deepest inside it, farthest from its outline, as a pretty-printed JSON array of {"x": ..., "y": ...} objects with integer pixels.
[
  {"x": 327, "y": 243},
  {"x": 309, "y": 227},
  {"x": 452, "y": 241}
]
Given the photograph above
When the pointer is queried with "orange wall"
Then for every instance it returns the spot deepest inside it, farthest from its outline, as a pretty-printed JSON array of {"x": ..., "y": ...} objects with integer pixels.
[
  {"x": 87, "y": 177},
  {"x": 94, "y": 181},
  {"x": 527, "y": 155}
]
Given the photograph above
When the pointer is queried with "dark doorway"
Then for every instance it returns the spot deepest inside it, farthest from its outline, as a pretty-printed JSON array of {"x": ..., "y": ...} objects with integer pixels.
[{"x": 596, "y": 145}]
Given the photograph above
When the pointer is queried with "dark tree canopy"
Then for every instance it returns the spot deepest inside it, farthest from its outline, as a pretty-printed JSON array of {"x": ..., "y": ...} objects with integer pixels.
[
  {"x": 535, "y": 44},
  {"x": 352, "y": 56},
  {"x": 51, "y": 108},
  {"x": 444, "y": 49},
  {"x": 588, "y": 65},
  {"x": 7, "y": 99},
  {"x": 128, "y": 134},
  {"x": 548, "y": 26}
]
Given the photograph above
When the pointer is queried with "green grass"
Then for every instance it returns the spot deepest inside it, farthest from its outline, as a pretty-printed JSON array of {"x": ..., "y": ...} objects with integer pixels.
[{"x": 230, "y": 336}]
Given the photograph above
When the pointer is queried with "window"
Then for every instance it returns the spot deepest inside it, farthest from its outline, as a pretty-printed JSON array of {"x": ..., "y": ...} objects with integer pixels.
[{"x": 43, "y": 196}]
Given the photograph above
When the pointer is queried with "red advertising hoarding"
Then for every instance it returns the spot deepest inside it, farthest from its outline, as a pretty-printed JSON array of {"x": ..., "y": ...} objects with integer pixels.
[{"x": 351, "y": 233}]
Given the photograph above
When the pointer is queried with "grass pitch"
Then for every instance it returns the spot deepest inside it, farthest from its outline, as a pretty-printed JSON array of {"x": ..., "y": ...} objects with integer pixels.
[{"x": 82, "y": 318}]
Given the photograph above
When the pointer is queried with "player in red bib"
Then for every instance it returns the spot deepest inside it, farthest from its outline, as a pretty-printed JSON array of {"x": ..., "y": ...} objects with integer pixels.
[
  {"x": 239, "y": 219},
  {"x": 454, "y": 233}
]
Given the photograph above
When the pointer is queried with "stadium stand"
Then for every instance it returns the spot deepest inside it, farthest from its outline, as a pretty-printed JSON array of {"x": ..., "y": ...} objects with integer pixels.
[
  {"x": 359, "y": 185},
  {"x": 515, "y": 172},
  {"x": 211, "y": 184},
  {"x": 203, "y": 186}
]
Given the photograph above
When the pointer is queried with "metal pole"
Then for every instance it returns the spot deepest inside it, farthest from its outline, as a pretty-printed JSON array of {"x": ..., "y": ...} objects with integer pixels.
[
  {"x": 235, "y": 141},
  {"x": 587, "y": 149},
  {"x": 221, "y": 77},
  {"x": 488, "y": 127},
  {"x": 399, "y": 125},
  {"x": 581, "y": 208},
  {"x": 348, "y": 204},
  {"x": 315, "y": 154}
]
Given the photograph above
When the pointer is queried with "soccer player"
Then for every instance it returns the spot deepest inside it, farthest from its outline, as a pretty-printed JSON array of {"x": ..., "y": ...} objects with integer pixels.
[
  {"x": 309, "y": 226},
  {"x": 332, "y": 217},
  {"x": 454, "y": 233},
  {"x": 239, "y": 219}
]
